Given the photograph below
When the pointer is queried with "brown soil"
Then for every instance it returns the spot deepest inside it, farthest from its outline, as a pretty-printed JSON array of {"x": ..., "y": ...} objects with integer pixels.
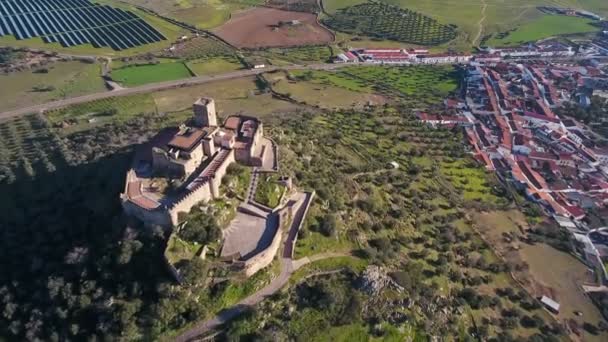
[{"x": 259, "y": 27}]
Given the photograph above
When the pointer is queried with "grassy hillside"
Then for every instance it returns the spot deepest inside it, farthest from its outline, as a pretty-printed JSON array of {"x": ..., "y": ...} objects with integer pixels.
[
  {"x": 498, "y": 16},
  {"x": 63, "y": 79},
  {"x": 204, "y": 14},
  {"x": 545, "y": 26}
]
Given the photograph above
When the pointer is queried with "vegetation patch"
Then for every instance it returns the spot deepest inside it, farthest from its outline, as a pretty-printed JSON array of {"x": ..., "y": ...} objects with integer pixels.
[
  {"x": 544, "y": 27},
  {"x": 199, "y": 47},
  {"x": 55, "y": 81},
  {"x": 214, "y": 66},
  {"x": 113, "y": 109},
  {"x": 268, "y": 191},
  {"x": 380, "y": 20},
  {"x": 296, "y": 55},
  {"x": 28, "y": 147},
  {"x": 142, "y": 74}
]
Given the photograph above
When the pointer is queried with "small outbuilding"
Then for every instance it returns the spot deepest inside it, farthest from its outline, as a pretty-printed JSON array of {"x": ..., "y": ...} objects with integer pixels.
[{"x": 550, "y": 304}]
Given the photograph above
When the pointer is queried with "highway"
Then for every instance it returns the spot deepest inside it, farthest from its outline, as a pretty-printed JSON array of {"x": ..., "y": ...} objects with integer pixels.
[{"x": 148, "y": 88}]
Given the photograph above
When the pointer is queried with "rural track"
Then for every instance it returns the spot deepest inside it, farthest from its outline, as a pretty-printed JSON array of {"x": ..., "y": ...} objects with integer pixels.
[
  {"x": 481, "y": 21},
  {"x": 148, "y": 88},
  {"x": 288, "y": 267}
]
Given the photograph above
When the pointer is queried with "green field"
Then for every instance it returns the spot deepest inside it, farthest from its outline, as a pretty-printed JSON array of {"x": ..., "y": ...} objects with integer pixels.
[
  {"x": 214, "y": 66},
  {"x": 202, "y": 14},
  {"x": 131, "y": 76},
  {"x": 297, "y": 55},
  {"x": 114, "y": 109},
  {"x": 413, "y": 84},
  {"x": 544, "y": 27},
  {"x": 63, "y": 80},
  {"x": 383, "y": 21},
  {"x": 500, "y": 15}
]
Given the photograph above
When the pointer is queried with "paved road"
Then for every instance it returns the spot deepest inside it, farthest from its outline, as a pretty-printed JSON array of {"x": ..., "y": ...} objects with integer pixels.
[{"x": 157, "y": 87}]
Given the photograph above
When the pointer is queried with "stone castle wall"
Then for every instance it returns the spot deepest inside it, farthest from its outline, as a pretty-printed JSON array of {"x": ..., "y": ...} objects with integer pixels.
[
  {"x": 265, "y": 257},
  {"x": 204, "y": 193}
]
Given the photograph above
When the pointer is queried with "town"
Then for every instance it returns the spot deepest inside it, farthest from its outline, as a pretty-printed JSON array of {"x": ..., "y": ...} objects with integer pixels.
[{"x": 509, "y": 112}]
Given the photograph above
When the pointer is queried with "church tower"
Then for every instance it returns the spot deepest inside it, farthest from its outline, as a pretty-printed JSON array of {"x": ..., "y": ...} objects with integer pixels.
[{"x": 204, "y": 112}]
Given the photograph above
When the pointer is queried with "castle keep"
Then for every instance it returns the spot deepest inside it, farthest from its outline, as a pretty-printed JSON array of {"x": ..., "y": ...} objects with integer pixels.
[{"x": 198, "y": 154}]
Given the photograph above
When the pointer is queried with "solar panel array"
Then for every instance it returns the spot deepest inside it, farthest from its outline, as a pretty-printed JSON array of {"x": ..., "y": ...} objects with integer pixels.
[{"x": 75, "y": 22}]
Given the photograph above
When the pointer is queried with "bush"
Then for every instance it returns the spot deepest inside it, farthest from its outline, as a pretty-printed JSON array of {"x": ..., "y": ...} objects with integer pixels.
[{"x": 200, "y": 228}]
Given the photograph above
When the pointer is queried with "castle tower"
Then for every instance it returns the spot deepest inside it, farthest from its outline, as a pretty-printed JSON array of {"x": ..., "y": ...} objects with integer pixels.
[{"x": 204, "y": 112}]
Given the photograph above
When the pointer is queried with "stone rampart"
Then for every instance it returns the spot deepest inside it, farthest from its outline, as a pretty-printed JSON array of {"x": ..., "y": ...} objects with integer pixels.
[{"x": 265, "y": 257}]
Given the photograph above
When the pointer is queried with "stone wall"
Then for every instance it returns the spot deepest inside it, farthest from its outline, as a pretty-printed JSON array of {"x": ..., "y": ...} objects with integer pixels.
[
  {"x": 184, "y": 204},
  {"x": 265, "y": 257},
  {"x": 159, "y": 217},
  {"x": 205, "y": 192}
]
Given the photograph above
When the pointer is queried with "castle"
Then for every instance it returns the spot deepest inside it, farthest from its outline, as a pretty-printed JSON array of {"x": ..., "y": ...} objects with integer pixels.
[{"x": 198, "y": 154}]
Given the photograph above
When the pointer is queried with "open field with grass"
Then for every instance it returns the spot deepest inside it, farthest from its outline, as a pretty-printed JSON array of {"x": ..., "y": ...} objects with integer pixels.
[
  {"x": 546, "y": 271},
  {"x": 114, "y": 109},
  {"x": 296, "y": 55},
  {"x": 131, "y": 76},
  {"x": 563, "y": 275},
  {"x": 63, "y": 79},
  {"x": 231, "y": 96},
  {"x": 419, "y": 86},
  {"x": 500, "y": 16},
  {"x": 327, "y": 96},
  {"x": 201, "y": 14},
  {"x": 170, "y": 31},
  {"x": 544, "y": 27},
  {"x": 214, "y": 66}
]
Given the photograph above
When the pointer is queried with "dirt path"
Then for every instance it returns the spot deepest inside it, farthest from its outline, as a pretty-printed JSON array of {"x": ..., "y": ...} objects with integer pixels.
[
  {"x": 480, "y": 23},
  {"x": 288, "y": 267}
]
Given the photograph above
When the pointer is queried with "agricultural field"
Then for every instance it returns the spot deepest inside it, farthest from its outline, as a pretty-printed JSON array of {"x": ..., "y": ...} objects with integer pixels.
[
  {"x": 214, "y": 66},
  {"x": 322, "y": 95},
  {"x": 419, "y": 86},
  {"x": 477, "y": 19},
  {"x": 90, "y": 114},
  {"x": 309, "y": 6},
  {"x": 203, "y": 14},
  {"x": 199, "y": 47},
  {"x": 383, "y": 21},
  {"x": 268, "y": 27},
  {"x": 296, "y": 55},
  {"x": 131, "y": 76},
  {"x": 28, "y": 148},
  {"x": 543, "y": 27},
  {"x": 54, "y": 81}
]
